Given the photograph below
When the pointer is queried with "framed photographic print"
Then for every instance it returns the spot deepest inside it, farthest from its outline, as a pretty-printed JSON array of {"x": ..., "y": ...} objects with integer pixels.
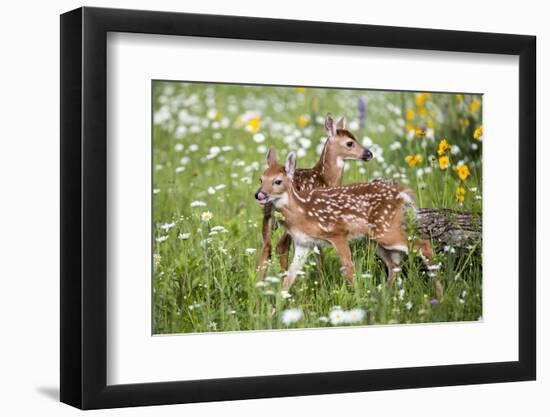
[{"x": 256, "y": 208}]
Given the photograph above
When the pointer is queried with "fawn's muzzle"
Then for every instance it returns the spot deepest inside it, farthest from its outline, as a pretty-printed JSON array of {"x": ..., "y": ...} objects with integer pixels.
[
  {"x": 367, "y": 155},
  {"x": 261, "y": 196}
]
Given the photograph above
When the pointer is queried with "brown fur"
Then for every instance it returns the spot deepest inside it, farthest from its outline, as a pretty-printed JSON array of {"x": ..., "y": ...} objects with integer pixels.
[
  {"x": 374, "y": 209},
  {"x": 326, "y": 173}
]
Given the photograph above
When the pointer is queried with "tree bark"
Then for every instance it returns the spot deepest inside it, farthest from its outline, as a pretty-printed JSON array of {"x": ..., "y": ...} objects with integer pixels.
[{"x": 455, "y": 228}]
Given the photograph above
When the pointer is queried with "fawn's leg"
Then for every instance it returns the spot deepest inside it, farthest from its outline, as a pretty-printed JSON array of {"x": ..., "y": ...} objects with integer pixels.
[
  {"x": 300, "y": 256},
  {"x": 265, "y": 254},
  {"x": 283, "y": 248},
  {"x": 391, "y": 258},
  {"x": 425, "y": 248},
  {"x": 342, "y": 247}
]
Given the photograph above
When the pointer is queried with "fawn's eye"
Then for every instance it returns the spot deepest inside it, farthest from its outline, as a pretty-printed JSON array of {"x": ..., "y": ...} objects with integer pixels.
[
  {"x": 349, "y": 144},
  {"x": 277, "y": 182}
]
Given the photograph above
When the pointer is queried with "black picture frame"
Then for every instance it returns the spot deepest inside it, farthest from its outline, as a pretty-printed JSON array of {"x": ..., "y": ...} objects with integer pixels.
[{"x": 84, "y": 207}]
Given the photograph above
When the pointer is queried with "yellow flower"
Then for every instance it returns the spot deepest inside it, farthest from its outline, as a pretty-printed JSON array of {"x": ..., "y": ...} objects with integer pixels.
[
  {"x": 444, "y": 162},
  {"x": 421, "y": 99},
  {"x": 443, "y": 147},
  {"x": 478, "y": 133},
  {"x": 422, "y": 111},
  {"x": 156, "y": 258},
  {"x": 420, "y": 132},
  {"x": 302, "y": 120},
  {"x": 459, "y": 97},
  {"x": 253, "y": 125},
  {"x": 409, "y": 114},
  {"x": 459, "y": 195},
  {"x": 463, "y": 172},
  {"x": 409, "y": 127},
  {"x": 464, "y": 122},
  {"x": 300, "y": 89},
  {"x": 475, "y": 105},
  {"x": 206, "y": 216},
  {"x": 431, "y": 124},
  {"x": 413, "y": 160}
]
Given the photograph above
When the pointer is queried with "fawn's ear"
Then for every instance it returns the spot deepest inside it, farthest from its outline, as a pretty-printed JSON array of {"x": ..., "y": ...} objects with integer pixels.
[
  {"x": 290, "y": 164},
  {"x": 341, "y": 124},
  {"x": 271, "y": 156},
  {"x": 330, "y": 127}
]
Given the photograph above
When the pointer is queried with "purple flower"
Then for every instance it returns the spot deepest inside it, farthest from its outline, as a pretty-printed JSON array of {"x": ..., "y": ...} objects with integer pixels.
[
  {"x": 362, "y": 109},
  {"x": 434, "y": 301}
]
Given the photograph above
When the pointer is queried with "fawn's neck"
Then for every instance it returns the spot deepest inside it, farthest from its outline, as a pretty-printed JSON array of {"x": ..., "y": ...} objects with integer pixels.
[
  {"x": 330, "y": 166},
  {"x": 292, "y": 205}
]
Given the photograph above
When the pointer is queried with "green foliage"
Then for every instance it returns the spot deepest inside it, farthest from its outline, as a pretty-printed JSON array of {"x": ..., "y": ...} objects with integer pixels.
[{"x": 209, "y": 144}]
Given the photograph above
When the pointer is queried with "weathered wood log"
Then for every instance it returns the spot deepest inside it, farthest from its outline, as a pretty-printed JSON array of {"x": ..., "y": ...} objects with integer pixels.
[{"x": 451, "y": 227}]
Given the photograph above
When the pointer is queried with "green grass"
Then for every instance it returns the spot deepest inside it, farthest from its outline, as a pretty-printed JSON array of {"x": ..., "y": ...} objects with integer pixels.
[{"x": 204, "y": 276}]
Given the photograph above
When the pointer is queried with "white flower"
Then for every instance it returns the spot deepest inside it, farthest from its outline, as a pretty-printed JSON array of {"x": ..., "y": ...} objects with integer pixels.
[
  {"x": 250, "y": 251},
  {"x": 261, "y": 149},
  {"x": 206, "y": 216},
  {"x": 455, "y": 150},
  {"x": 395, "y": 146},
  {"x": 290, "y": 316},
  {"x": 167, "y": 226},
  {"x": 178, "y": 147},
  {"x": 354, "y": 315},
  {"x": 156, "y": 190},
  {"x": 179, "y": 169},
  {"x": 323, "y": 319},
  {"x": 260, "y": 284},
  {"x": 401, "y": 293},
  {"x": 304, "y": 143},
  {"x": 184, "y": 236},
  {"x": 272, "y": 279},
  {"x": 193, "y": 147},
  {"x": 198, "y": 204},
  {"x": 184, "y": 161},
  {"x": 211, "y": 190},
  {"x": 212, "y": 114},
  {"x": 161, "y": 239},
  {"x": 367, "y": 141},
  {"x": 301, "y": 153},
  {"x": 336, "y": 316},
  {"x": 408, "y": 305},
  {"x": 219, "y": 229},
  {"x": 258, "y": 137},
  {"x": 285, "y": 294}
]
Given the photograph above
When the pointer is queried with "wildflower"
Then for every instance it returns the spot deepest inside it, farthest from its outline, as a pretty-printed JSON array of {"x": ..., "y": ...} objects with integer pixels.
[
  {"x": 253, "y": 125},
  {"x": 478, "y": 133},
  {"x": 422, "y": 111},
  {"x": 401, "y": 293},
  {"x": 408, "y": 305},
  {"x": 212, "y": 326},
  {"x": 413, "y": 160},
  {"x": 250, "y": 251},
  {"x": 258, "y": 137},
  {"x": 459, "y": 97},
  {"x": 323, "y": 319},
  {"x": 206, "y": 216},
  {"x": 198, "y": 204},
  {"x": 302, "y": 121},
  {"x": 395, "y": 146},
  {"x": 354, "y": 315},
  {"x": 336, "y": 316},
  {"x": 272, "y": 279},
  {"x": 156, "y": 190},
  {"x": 409, "y": 114},
  {"x": 444, "y": 162},
  {"x": 290, "y": 316},
  {"x": 420, "y": 132},
  {"x": 178, "y": 147},
  {"x": 285, "y": 294},
  {"x": 156, "y": 259},
  {"x": 463, "y": 171},
  {"x": 443, "y": 147},
  {"x": 184, "y": 236},
  {"x": 161, "y": 239},
  {"x": 459, "y": 195},
  {"x": 193, "y": 147},
  {"x": 211, "y": 190},
  {"x": 475, "y": 105},
  {"x": 300, "y": 89},
  {"x": 179, "y": 169},
  {"x": 167, "y": 226},
  {"x": 434, "y": 301}
]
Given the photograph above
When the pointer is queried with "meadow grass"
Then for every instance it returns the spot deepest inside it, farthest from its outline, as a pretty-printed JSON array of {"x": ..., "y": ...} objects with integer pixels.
[{"x": 209, "y": 145}]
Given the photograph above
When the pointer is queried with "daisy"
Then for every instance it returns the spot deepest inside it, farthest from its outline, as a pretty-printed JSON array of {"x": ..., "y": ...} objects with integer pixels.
[
  {"x": 198, "y": 204},
  {"x": 184, "y": 236},
  {"x": 290, "y": 316},
  {"x": 206, "y": 216},
  {"x": 354, "y": 315}
]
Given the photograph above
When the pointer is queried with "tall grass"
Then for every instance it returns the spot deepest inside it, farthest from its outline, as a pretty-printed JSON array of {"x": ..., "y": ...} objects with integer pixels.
[{"x": 209, "y": 144}]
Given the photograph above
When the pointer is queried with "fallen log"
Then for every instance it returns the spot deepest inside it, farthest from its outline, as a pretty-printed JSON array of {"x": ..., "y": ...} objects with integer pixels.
[{"x": 451, "y": 227}]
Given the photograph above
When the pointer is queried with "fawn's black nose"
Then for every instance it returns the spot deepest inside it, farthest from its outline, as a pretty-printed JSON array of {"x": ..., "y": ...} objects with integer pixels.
[{"x": 367, "y": 155}]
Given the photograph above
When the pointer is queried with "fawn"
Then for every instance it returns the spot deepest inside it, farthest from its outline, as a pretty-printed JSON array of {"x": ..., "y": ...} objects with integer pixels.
[
  {"x": 341, "y": 145},
  {"x": 375, "y": 209}
]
